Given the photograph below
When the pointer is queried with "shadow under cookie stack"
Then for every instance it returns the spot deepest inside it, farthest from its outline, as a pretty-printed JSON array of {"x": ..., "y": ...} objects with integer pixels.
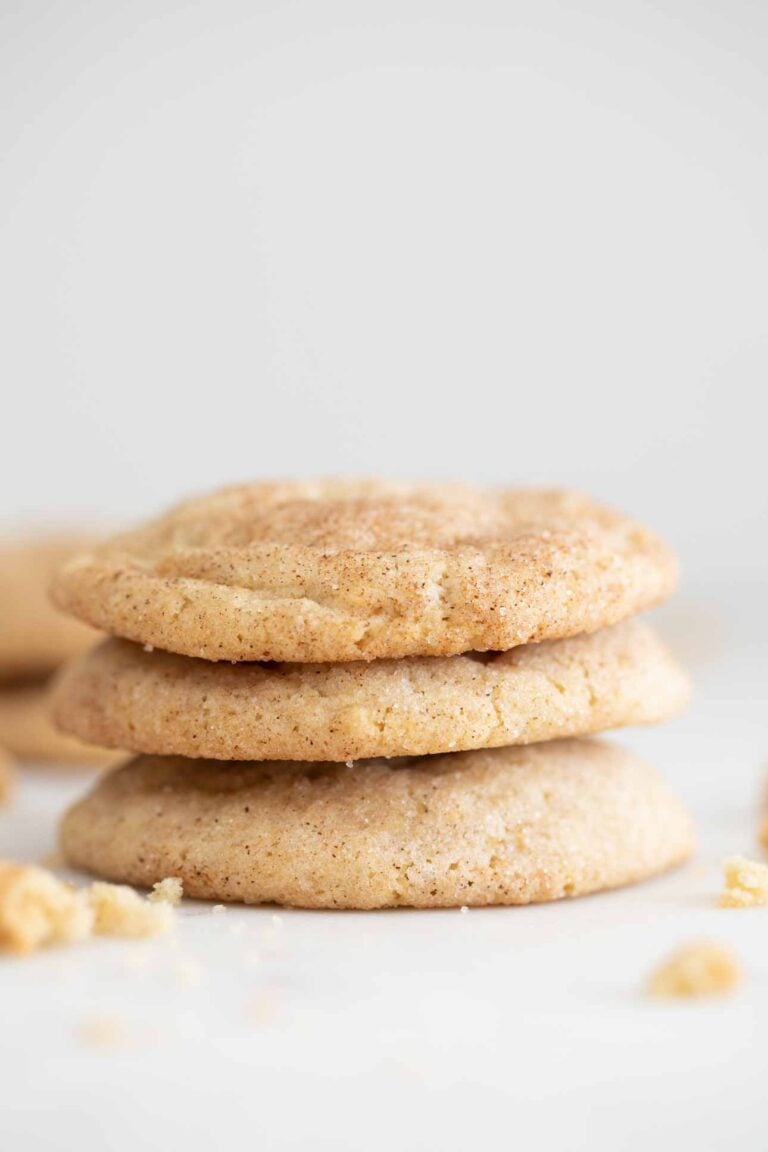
[{"x": 357, "y": 694}]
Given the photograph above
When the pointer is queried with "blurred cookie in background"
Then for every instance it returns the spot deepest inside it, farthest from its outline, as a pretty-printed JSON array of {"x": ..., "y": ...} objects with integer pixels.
[
  {"x": 26, "y": 730},
  {"x": 35, "y": 640},
  {"x": 6, "y": 776},
  {"x": 34, "y": 637}
]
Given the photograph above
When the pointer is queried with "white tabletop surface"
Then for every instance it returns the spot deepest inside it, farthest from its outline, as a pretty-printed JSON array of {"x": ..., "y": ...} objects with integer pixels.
[{"x": 523, "y": 1028}]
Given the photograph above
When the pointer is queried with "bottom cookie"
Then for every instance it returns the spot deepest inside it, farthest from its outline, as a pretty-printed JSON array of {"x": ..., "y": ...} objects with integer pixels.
[
  {"x": 502, "y": 826},
  {"x": 27, "y": 730}
]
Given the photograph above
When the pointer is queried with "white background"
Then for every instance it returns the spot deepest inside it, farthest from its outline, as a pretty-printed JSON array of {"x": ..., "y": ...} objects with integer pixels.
[{"x": 496, "y": 241}]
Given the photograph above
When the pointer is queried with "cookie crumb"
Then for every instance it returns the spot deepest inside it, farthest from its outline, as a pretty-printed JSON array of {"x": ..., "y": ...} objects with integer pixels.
[
  {"x": 37, "y": 909},
  {"x": 702, "y": 968},
  {"x": 168, "y": 891},
  {"x": 464, "y": 908},
  {"x": 104, "y": 1031},
  {"x": 746, "y": 883},
  {"x": 219, "y": 908},
  {"x": 120, "y": 911}
]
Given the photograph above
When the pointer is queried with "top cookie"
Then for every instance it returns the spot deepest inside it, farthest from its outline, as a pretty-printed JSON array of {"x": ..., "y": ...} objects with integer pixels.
[
  {"x": 364, "y": 569},
  {"x": 34, "y": 638}
]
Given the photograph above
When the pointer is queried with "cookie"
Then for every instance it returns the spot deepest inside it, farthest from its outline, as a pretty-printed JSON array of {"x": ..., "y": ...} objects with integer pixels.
[
  {"x": 27, "y": 730},
  {"x": 34, "y": 637},
  {"x": 6, "y": 776},
  {"x": 498, "y": 826},
  {"x": 123, "y": 697},
  {"x": 337, "y": 570}
]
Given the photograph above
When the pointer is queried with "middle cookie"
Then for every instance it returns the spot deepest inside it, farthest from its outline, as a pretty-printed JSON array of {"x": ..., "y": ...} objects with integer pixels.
[{"x": 121, "y": 696}]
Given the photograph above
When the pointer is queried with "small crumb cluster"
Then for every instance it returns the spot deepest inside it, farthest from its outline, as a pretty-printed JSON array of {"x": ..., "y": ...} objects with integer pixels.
[
  {"x": 168, "y": 891},
  {"x": 746, "y": 883},
  {"x": 38, "y": 910},
  {"x": 702, "y": 968}
]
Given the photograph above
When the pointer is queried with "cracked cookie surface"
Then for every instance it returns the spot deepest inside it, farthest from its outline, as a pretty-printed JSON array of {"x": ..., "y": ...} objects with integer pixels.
[
  {"x": 154, "y": 702},
  {"x": 336, "y": 570},
  {"x": 498, "y": 826}
]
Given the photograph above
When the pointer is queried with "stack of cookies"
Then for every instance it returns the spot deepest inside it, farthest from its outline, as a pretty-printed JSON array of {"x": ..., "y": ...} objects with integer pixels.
[
  {"x": 35, "y": 640},
  {"x": 361, "y": 694}
]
